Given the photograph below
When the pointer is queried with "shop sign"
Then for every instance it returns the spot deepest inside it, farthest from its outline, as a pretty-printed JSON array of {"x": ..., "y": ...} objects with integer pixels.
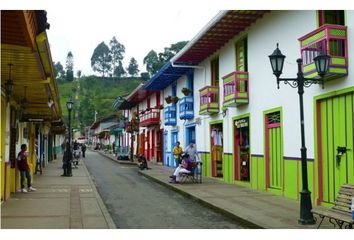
[{"x": 241, "y": 123}]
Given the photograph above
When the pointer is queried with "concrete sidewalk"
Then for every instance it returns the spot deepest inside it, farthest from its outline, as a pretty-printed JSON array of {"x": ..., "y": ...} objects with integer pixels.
[
  {"x": 253, "y": 208},
  {"x": 58, "y": 203}
]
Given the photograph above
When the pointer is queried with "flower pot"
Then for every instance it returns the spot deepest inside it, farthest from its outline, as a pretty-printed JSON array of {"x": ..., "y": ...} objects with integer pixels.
[
  {"x": 168, "y": 99},
  {"x": 186, "y": 91}
]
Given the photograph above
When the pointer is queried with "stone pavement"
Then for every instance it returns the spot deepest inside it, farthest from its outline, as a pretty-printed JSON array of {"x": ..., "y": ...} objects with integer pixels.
[{"x": 58, "y": 203}]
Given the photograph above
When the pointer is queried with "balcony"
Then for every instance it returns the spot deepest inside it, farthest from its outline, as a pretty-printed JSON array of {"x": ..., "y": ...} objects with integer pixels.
[
  {"x": 186, "y": 109},
  {"x": 329, "y": 39},
  {"x": 235, "y": 89},
  {"x": 170, "y": 115},
  {"x": 150, "y": 117},
  {"x": 209, "y": 100}
]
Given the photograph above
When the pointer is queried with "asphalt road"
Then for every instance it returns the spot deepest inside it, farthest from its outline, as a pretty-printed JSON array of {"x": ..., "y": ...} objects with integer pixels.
[{"x": 135, "y": 202}]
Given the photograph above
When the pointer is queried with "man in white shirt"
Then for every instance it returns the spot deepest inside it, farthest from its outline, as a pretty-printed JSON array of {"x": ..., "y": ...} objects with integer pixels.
[{"x": 191, "y": 150}]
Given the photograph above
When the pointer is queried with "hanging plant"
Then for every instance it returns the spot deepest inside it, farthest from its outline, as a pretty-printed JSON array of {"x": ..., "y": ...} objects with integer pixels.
[
  {"x": 175, "y": 99},
  {"x": 168, "y": 99},
  {"x": 186, "y": 91}
]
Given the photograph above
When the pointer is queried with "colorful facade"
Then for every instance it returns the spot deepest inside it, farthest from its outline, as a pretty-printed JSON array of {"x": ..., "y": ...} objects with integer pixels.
[
  {"x": 246, "y": 130},
  {"x": 30, "y": 108}
]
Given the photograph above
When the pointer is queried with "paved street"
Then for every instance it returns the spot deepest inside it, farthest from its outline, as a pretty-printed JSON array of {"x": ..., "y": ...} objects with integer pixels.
[{"x": 137, "y": 202}]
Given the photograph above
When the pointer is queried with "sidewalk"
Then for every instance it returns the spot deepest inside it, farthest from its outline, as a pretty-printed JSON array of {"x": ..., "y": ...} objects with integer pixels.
[
  {"x": 253, "y": 208},
  {"x": 58, "y": 203}
]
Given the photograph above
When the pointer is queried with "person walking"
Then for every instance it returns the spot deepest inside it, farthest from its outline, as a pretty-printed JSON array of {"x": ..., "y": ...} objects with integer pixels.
[
  {"x": 67, "y": 158},
  {"x": 191, "y": 150},
  {"x": 177, "y": 152},
  {"x": 83, "y": 149},
  {"x": 24, "y": 169}
]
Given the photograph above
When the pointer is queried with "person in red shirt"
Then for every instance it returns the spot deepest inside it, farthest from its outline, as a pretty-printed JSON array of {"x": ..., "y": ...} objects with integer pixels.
[{"x": 22, "y": 165}]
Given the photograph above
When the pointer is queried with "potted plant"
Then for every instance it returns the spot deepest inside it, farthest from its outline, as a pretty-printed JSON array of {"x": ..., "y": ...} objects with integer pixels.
[
  {"x": 168, "y": 99},
  {"x": 186, "y": 91},
  {"x": 175, "y": 99}
]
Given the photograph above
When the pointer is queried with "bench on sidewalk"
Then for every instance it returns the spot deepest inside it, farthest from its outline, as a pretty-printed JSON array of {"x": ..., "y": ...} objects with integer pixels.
[
  {"x": 195, "y": 176},
  {"x": 340, "y": 214}
]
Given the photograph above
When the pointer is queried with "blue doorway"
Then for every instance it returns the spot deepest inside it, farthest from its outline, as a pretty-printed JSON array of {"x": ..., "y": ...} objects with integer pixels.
[
  {"x": 190, "y": 135},
  {"x": 174, "y": 139},
  {"x": 166, "y": 155}
]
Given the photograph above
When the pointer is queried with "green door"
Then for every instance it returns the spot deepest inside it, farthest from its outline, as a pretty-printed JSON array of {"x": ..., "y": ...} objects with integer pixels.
[
  {"x": 335, "y": 118},
  {"x": 274, "y": 156}
]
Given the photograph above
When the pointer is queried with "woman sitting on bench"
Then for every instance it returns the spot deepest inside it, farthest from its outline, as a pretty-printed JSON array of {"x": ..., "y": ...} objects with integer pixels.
[{"x": 185, "y": 167}]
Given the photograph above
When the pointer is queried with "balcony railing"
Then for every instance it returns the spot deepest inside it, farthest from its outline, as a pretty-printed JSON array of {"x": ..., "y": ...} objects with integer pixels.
[
  {"x": 150, "y": 117},
  {"x": 209, "y": 100},
  {"x": 235, "y": 89},
  {"x": 170, "y": 115},
  {"x": 186, "y": 109},
  {"x": 329, "y": 39}
]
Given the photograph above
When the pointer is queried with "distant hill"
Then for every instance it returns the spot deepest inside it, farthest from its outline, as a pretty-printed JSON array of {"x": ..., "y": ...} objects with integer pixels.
[{"x": 92, "y": 94}]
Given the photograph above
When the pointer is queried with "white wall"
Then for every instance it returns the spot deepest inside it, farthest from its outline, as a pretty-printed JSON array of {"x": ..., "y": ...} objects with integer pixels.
[{"x": 284, "y": 27}]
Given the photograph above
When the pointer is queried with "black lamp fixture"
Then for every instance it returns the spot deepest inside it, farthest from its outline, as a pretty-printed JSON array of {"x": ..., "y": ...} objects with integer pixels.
[
  {"x": 9, "y": 85},
  {"x": 69, "y": 105},
  {"x": 24, "y": 101},
  {"x": 322, "y": 65}
]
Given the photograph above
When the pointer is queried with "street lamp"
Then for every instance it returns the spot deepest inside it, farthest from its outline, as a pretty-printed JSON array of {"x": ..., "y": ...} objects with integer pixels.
[
  {"x": 322, "y": 65},
  {"x": 69, "y": 105}
]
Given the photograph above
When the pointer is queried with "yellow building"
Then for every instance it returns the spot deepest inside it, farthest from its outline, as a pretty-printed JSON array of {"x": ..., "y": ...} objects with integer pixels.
[{"x": 30, "y": 107}]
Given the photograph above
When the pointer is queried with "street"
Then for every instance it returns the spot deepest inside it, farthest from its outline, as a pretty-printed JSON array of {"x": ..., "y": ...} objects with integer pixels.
[{"x": 135, "y": 202}]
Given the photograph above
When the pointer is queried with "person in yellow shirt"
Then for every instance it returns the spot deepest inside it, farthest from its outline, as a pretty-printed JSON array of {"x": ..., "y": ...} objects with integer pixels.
[{"x": 177, "y": 152}]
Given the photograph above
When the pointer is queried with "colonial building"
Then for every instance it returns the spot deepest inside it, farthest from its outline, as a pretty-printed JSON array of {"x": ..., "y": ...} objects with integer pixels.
[
  {"x": 247, "y": 130},
  {"x": 30, "y": 106}
]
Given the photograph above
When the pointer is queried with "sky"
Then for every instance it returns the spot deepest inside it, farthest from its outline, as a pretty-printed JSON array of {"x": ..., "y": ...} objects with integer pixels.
[
  {"x": 154, "y": 31},
  {"x": 140, "y": 25}
]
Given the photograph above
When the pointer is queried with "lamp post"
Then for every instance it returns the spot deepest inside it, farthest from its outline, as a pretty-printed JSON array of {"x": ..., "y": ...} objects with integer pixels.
[
  {"x": 69, "y": 105},
  {"x": 322, "y": 64}
]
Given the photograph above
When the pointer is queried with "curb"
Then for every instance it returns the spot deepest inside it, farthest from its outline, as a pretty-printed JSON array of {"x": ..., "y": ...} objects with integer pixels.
[
  {"x": 115, "y": 160},
  {"x": 107, "y": 216},
  {"x": 243, "y": 221}
]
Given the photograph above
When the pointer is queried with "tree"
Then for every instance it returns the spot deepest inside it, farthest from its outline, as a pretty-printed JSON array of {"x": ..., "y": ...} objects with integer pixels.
[
  {"x": 133, "y": 68},
  {"x": 69, "y": 67},
  {"x": 144, "y": 76},
  {"x": 171, "y": 51},
  {"x": 78, "y": 73},
  {"x": 152, "y": 62},
  {"x": 117, "y": 51},
  {"x": 59, "y": 71},
  {"x": 101, "y": 59},
  {"x": 119, "y": 70},
  {"x": 155, "y": 61}
]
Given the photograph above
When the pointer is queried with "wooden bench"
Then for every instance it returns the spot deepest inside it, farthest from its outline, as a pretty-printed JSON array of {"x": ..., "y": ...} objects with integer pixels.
[
  {"x": 195, "y": 176},
  {"x": 340, "y": 214}
]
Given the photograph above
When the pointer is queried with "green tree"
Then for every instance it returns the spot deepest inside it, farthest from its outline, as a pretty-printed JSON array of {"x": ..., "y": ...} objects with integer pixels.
[
  {"x": 69, "y": 67},
  {"x": 59, "y": 70},
  {"x": 154, "y": 61},
  {"x": 144, "y": 76},
  {"x": 101, "y": 59},
  {"x": 133, "y": 68},
  {"x": 117, "y": 51},
  {"x": 119, "y": 70},
  {"x": 78, "y": 73},
  {"x": 171, "y": 51},
  {"x": 151, "y": 60}
]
